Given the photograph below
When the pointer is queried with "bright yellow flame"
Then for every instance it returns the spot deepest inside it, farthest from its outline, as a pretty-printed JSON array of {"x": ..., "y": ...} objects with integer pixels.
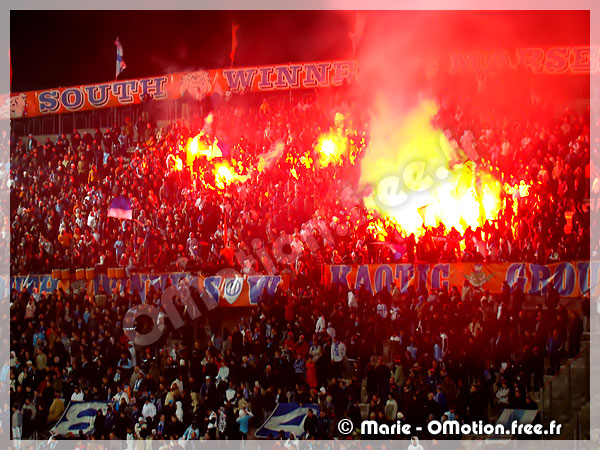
[
  {"x": 306, "y": 160},
  {"x": 226, "y": 175},
  {"x": 416, "y": 180},
  {"x": 201, "y": 145},
  {"x": 331, "y": 147},
  {"x": 377, "y": 230}
]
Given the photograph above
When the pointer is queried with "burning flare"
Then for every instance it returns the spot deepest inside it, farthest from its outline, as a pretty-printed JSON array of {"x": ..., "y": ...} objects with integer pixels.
[
  {"x": 226, "y": 175},
  {"x": 333, "y": 146},
  {"x": 201, "y": 145},
  {"x": 418, "y": 178}
]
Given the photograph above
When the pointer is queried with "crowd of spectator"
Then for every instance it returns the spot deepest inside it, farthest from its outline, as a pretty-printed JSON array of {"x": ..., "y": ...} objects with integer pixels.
[
  {"x": 307, "y": 345},
  {"x": 61, "y": 191},
  {"x": 311, "y": 344}
]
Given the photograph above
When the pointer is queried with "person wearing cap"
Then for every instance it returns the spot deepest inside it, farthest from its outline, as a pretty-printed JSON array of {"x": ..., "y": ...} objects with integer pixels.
[
  {"x": 77, "y": 395},
  {"x": 243, "y": 422},
  {"x": 140, "y": 428}
]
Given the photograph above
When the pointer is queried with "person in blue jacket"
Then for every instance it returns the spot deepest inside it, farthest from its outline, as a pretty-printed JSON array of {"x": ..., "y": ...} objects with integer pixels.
[{"x": 243, "y": 420}]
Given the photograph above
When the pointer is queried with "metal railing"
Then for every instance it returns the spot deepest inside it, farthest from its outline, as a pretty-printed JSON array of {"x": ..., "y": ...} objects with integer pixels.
[{"x": 565, "y": 397}]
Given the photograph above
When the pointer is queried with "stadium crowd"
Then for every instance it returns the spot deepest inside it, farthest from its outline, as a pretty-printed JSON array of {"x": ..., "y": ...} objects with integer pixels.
[
  {"x": 311, "y": 344},
  {"x": 307, "y": 346},
  {"x": 61, "y": 192}
]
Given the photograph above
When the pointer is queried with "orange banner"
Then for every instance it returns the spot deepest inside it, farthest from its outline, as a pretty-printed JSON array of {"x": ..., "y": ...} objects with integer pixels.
[
  {"x": 194, "y": 85},
  {"x": 571, "y": 279}
]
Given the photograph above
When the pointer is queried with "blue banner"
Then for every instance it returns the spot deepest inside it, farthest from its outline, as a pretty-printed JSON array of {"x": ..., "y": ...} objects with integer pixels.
[
  {"x": 247, "y": 292},
  {"x": 79, "y": 416},
  {"x": 288, "y": 417}
]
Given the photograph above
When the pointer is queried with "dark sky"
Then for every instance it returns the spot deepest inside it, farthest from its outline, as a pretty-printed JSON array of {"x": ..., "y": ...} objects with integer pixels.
[{"x": 63, "y": 48}]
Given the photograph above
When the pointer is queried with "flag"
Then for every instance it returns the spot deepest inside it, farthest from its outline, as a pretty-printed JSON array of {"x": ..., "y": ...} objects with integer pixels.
[
  {"x": 120, "y": 62},
  {"x": 359, "y": 27},
  {"x": 78, "y": 416},
  {"x": 521, "y": 416},
  {"x": 234, "y": 41},
  {"x": 288, "y": 417},
  {"x": 120, "y": 208}
]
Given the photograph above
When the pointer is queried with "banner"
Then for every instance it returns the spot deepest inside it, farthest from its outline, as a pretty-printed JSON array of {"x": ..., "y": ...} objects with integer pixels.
[
  {"x": 288, "y": 417},
  {"x": 521, "y": 416},
  {"x": 575, "y": 59},
  {"x": 227, "y": 291},
  {"x": 79, "y": 416},
  {"x": 571, "y": 279},
  {"x": 194, "y": 85}
]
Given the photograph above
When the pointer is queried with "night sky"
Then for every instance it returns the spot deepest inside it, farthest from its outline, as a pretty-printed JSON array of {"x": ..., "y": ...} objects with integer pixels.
[{"x": 63, "y": 48}]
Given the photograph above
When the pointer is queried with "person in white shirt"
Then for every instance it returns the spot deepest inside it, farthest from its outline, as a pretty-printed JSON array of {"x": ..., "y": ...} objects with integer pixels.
[
  {"x": 30, "y": 309},
  {"x": 179, "y": 410},
  {"x": 338, "y": 352},
  {"x": 444, "y": 340},
  {"x": 414, "y": 444},
  {"x": 139, "y": 428},
  {"x": 230, "y": 392},
  {"x": 77, "y": 395},
  {"x": 297, "y": 246},
  {"x": 382, "y": 310},
  {"x": 149, "y": 410},
  {"x": 330, "y": 330},
  {"x": 292, "y": 441},
  {"x": 119, "y": 396},
  {"x": 223, "y": 373},
  {"x": 352, "y": 303},
  {"x": 320, "y": 324},
  {"x": 130, "y": 441},
  {"x": 178, "y": 383},
  {"x": 212, "y": 423},
  {"x": 503, "y": 394}
]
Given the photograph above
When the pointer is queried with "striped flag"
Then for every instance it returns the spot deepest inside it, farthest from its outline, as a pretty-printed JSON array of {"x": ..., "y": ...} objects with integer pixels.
[
  {"x": 120, "y": 62},
  {"x": 120, "y": 208},
  {"x": 287, "y": 417}
]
